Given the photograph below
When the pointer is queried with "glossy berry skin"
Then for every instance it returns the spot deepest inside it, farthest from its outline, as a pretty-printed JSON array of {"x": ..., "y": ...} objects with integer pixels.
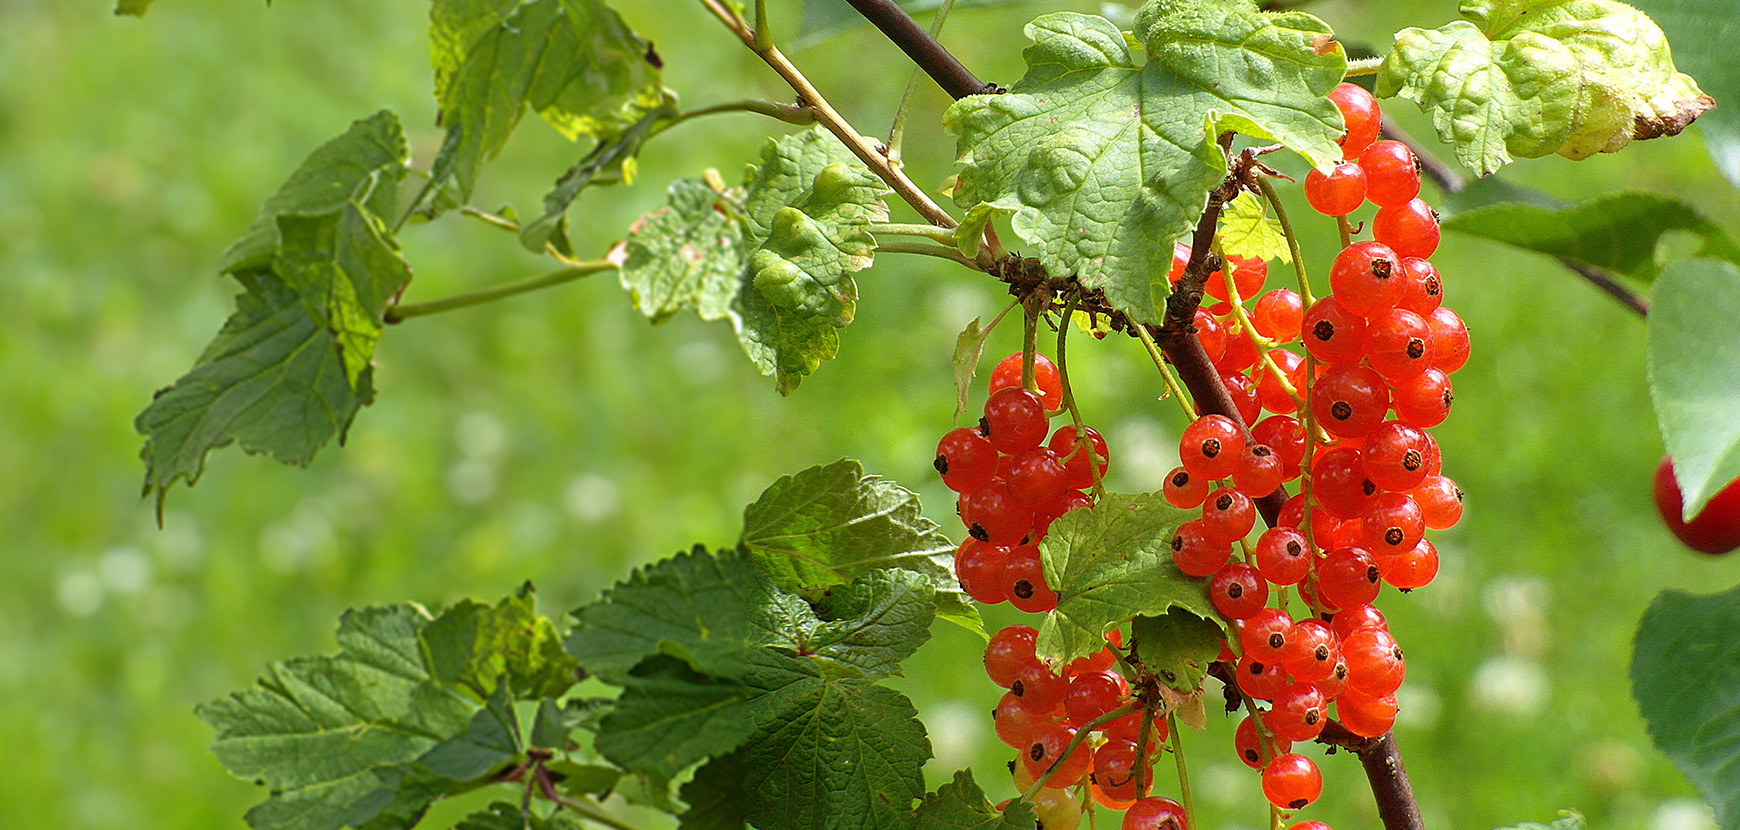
[
  {"x": 1248, "y": 277},
  {"x": 1410, "y": 229},
  {"x": 1374, "y": 661},
  {"x": 1154, "y": 813},
  {"x": 1128, "y": 727},
  {"x": 1333, "y": 334},
  {"x": 1340, "y": 192},
  {"x": 994, "y": 515},
  {"x": 1392, "y": 524},
  {"x": 1424, "y": 400},
  {"x": 1292, "y": 781},
  {"x": 1340, "y": 485},
  {"x": 1261, "y": 679},
  {"x": 1413, "y": 569},
  {"x": 1046, "y": 746},
  {"x": 966, "y": 460},
  {"x": 1394, "y": 456},
  {"x": 1195, "y": 553},
  {"x": 1210, "y": 447},
  {"x": 1440, "y": 503},
  {"x": 1057, "y": 809},
  {"x": 1313, "y": 649},
  {"x": 1350, "y": 401},
  {"x": 1449, "y": 340},
  {"x": 1238, "y": 591},
  {"x": 1015, "y": 723},
  {"x": 1009, "y": 652},
  {"x": 1299, "y": 713},
  {"x": 1093, "y": 694},
  {"x": 1358, "y": 618},
  {"x": 1360, "y": 115},
  {"x": 1391, "y": 173},
  {"x": 1024, "y": 581},
  {"x": 1244, "y": 394},
  {"x": 1283, "y": 556},
  {"x": 1227, "y": 515},
  {"x": 1398, "y": 344},
  {"x": 1309, "y": 825},
  {"x": 1078, "y": 474},
  {"x": 1260, "y": 471},
  {"x": 1015, "y": 420},
  {"x": 979, "y": 568},
  {"x": 1278, "y": 315},
  {"x": 1366, "y": 277},
  {"x": 1037, "y": 479},
  {"x": 1264, "y": 635},
  {"x": 1348, "y": 577},
  {"x": 1269, "y": 389},
  {"x": 1716, "y": 528},
  {"x": 1286, "y": 437},
  {"x": 1039, "y": 688},
  {"x": 1249, "y": 744},
  {"x": 1425, "y": 291},
  {"x": 1368, "y": 717},
  {"x": 1045, "y": 376},
  {"x": 1115, "y": 770},
  {"x": 1185, "y": 491}
]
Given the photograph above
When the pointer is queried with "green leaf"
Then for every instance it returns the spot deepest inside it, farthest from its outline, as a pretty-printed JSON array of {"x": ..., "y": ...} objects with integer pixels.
[
  {"x": 490, "y": 744},
  {"x": 714, "y": 797},
  {"x": 609, "y": 162},
  {"x": 131, "y": 8},
  {"x": 585, "y": 779},
  {"x": 670, "y": 716},
  {"x": 969, "y": 348},
  {"x": 346, "y": 269},
  {"x": 1178, "y": 646},
  {"x": 333, "y": 737},
  {"x": 1685, "y": 675},
  {"x": 1703, "y": 34},
  {"x": 1103, "y": 161},
  {"x": 1110, "y": 563},
  {"x": 1246, "y": 232},
  {"x": 1617, "y": 231},
  {"x": 875, "y": 622},
  {"x": 272, "y": 380},
  {"x": 774, "y": 258},
  {"x": 1568, "y": 820},
  {"x": 573, "y": 62},
  {"x": 501, "y": 815},
  {"x": 1694, "y": 359},
  {"x": 1528, "y": 78},
  {"x": 834, "y": 755},
  {"x": 476, "y": 645},
  {"x": 694, "y": 606},
  {"x": 962, "y": 805}
]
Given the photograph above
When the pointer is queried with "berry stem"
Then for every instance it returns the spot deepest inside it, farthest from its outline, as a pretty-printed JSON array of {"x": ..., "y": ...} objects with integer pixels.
[
  {"x": 1363, "y": 66},
  {"x": 1031, "y": 307},
  {"x": 1172, "y": 387},
  {"x": 1292, "y": 238},
  {"x": 1082, "y": 444},
  {"x": 941, "y": 236},
  {"x": 1183, "y": 773},
  {"x": 950, "y": 254},
  {"x": 1346, "y": 229},
  {"x": 1144, "y": 769},
  {"x": 574, "y": 271},
  {"x": 1082, "y": 734}
]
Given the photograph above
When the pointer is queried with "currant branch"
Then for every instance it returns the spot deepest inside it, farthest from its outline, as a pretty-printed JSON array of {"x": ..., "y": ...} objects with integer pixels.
[{"x": 921, "y": 47}]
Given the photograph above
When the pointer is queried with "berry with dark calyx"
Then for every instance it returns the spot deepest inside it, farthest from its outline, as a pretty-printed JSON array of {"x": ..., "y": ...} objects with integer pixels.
[
  {"x": 1391, "y": 524},
  {"x": 1065, "y": 445},
  {"x": 1374, "y": 661},
  {"x": 1228, "y": 515},
  {"x": 979, "y": 569},
  {"x": 1039, "y": 688},
  {"x": 1394, "y": 456},
  {"x": 966, "y": 460},
  {"x": 1360, "y": 114},
  {"x": 1259, "y": 472},
  {"x": 1015, "y": 420},
  {"x": 1195, "y": 553},
  {"x": 1210, "y": 447},
  {"x": 1249, "y": 744},
  {"x": 1047, "y": 745},
  {"x": 1093, "y": 694},
  {"x": 1155, "y": 813},
  {"x": 1440, "y": 502},
  {"x": 1263, "y": 635},
  {"x": 1261, "y": 679},
  {"x": 1114, "y": 771},
  {"x": 1350, "y": 401},
  {"x": 1367, "y": 717},
  {"x": 1238, "y": 591},
  {"x": 1299, "y": 712},
  {"x": 1340, "y": 485},
  {"x": 1409, "y": 229},
  {"x": 1449, "y": 340},
  {"x": 1045, "y": 376},
  {"x": 1313, "y": 649},
  {"x": 993, "y": 514},
  {"x": 1024, "y": 581},
  {"x": 1425, "y": 292},
  {"x": 1334, "y": 683},
  {"x": 1057, "y": 809},
  {"x": 1414, "y": 569},
  {"x": 1278, "y": 315},
  {"x": 1286, "y": 436},
  {"x": 1338, "y": 193},
  {"x": 1333, "y": 334},
  {"x": 1037, "y": 479},
  {"x": 1009, "y": 652},
  {"x": 1292, "y": 781},
  {"x": 1348, "y": 576},
  {"x": 1392, "y": 175},
  {"x": 1283, "y": 556},
  {"x": 1015, "y": 723},
  {"x": 1183, "y": 490},
  {"x": 1716, "y": 528},
  {"x": 1398, "y": 343},
  {"x": 1424, "y": 400},
  {"x": 1366, "y": 277}
]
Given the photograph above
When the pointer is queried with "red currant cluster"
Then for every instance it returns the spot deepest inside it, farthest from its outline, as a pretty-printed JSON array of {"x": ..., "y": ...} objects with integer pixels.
[{"x": 1013, "y": 482}]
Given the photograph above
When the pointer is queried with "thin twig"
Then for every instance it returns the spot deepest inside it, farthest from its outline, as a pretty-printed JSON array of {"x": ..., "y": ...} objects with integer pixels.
[
  {"x": 926, "y": 249},
  {"x": 573, "y": 272},
  {"x": 924, "y": 50},
  {"x": 897, "y": 131}
]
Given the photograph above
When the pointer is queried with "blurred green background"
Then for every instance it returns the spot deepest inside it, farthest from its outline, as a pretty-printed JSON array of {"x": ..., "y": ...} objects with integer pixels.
[{"x": 561, "y": 439}]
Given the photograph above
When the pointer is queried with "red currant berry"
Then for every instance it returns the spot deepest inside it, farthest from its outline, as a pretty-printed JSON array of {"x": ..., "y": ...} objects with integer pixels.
[
  {"x": 1183, "y": 490},
  {"x": 1244, "y": 394},
  {"x": 1283, "y": 556},
  {"x": 994, "y": 515},
  {"x": 1249, "y": 744},
  {"x": 1313, "y": 649},
  {"x": 1093, "y": 694},
  {"x": 1348, "y": 577},
  {"x": 1350, "y": 401},
  {"x": 1241, "y": 353},
  {"x": 1228, "y": 515},
  {"x": 1274, "y": 396},
  {"x": 1449, "y": 340},
  {"x": 1015, "y": 420},
  {"x": 1440, "y": 502},
  {"x": 1299, "y": 712},
  {"x": 1065, "y": 445},
  {"x": 1424, "y": 400},
  {"x": 1391, "y": 524},
  {"x": 1238, "y": 591},
  {"x": 1425, "y": 289},
  {"x": 1195, "y": 553},
  {"x": 1413, "y": 569},
  {"x": 1286, "y": 436},
  {"x": 1398, "y": 343},
  {"x": 1392, "y": 176},
  {"x": 1115, "y": 770},
  {"x": 1333, "y": 684},
  {"x": 1367, "y": 717},
  {"x": 1366, "y": 277},
  {"x": 1128, "y": 727},
  {"x": 1310, "y": 825},
  {"x": 1359, "y": 112},
  {"x": 1292, "y": 781},
  {"x": 1039, "y": 688},
  {"x": 1259, "y": 678},
  {"x": 1340, "y": 192},
  {"x": 1248, "y": 277},
  {"x": 1212, "y": 334},
  {"x": 1394, "y": 456},
  {"x": 1045, "y": 376},
  {"x": 1339, "y": 484},
  {"x": 1015, "y": 723},
  {"x": 1357, "y": 618},
  {"x": 979, "y": 568},
  {"x": 1374, "y": 662},
  {"x": 1278, "y": 315},
  {"x": 1210, "y": 447},
  {"x": 1332, "y": 334},
  {"x": 1409, "y": 229},
  {"x": 1046, "y": 748},
  {"x": 1037, "y": 479},
  {"x": 1259, "y": 472},
  {"x": 1024, "y": 581},
  {"x": 1263, "y": 635},
  {"x": 1153, "y": 813},
  {"x": 1009, "y": 652},
  {"x": 966, "y": 460}
]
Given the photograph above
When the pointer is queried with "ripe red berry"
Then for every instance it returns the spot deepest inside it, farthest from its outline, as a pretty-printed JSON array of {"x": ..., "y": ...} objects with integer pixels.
[
  {"x": 1045, "y": 747},
  {"x": 1015, "y": 420},
  {"x": 1249, "y": 744},
  {"x": 1238, "y": 591},
  {"x": 1283, "y": 557},
  {"x": 1394, "y": 456},
  {"x": 1716, "y": 528},
  {"x": 1210, "y": 447},
  {"x": 1244, "y": 394},
  {"x": 1348, "y": 577},
  {"x": 1449, "y": 340},
  {"x": 1212, "y": 335},
  {"x": 1154, "y": 813},
  {"x": 1358, "y": 617},
  {"x": 1064, "y": 445},
  {"x": 1039, "y": 688},
  {"x": 1333, "y": 334},
  {"x": 1368, "y": 717},
  {"x": 1440, "y": 502},
  {"x": 1128, "y": 727},
  {"x": 1264, "y": 634},
  {"x": 1241, "y": 354},
  {"x": 1350, "y": 401},
  {"x": 1425, "y": 289},
  {"x": 1414, "y": 569},
  {"x": 1010, "y": 651},
  {"x": 1248, "y": 277},
  {"x": 1340, "y": 485},
  {"x": 1299, "y": 713},
  {"x": 1036, "y": 479},
  {"x": 1338, "y": 193},
  {"x": 1392, "y": 175},
  {"x": 1183, "y": 490},
  {"x": 1260, "y": 471},
  {"x": 1093, "y": 694},
  {"x": 1115, "y": 770},
  {"x": 1228, "y": 515},
  {"x": 1286, "y": 436},
  {"x": 1292, "y": 781},
  {"x": 1424, "y": 400},
  {"x": 1260, "y": 678},
  {"x": 1024, "y": 581},
  {"x": 1273, "y": 395},
  {"x": 1409, "y": 229},
  {"x": 1366, "y": 277},
  {"x": 1278, "y": 315},
  {"x": 1360, "y": 115},
  {"x": 1374, "y": 662},
  {"x": 1045, "y": 376},
  {"x": 1398, "y": 343},
  {"x": 966, "y": 460},
  {"x": 979, "y": 569},
  {"x": 1195, "y": 553},
  {"x": 993, "y": 514},
  {"x": 1015, "y": 723},
  {"x": 1392, "y": 524},
  {"x": 1313, "y": 649}
]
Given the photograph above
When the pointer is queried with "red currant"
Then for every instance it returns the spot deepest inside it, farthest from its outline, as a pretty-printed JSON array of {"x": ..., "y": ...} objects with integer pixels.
[
  {"x": 1338, "y": 193},
  {"x": 1413, "y": 569},
  {"x": 1339, "y": 484},
  {"x": 1065, "y": 445},
  {"x": 1015, "y": 420},
  {"x": 994, "y": 515},
  {"x": 1350, "y": 401},
  {"x": 1274, "y": 396},
  {"x": 1366, "y": 277},
  {"x": 1093, "y": 694},
  {"x": 1299, "y": 712},
  {"x": 979, "y": 568},
  {"x": 1440, "y": 502},
  {"x": 1238, "y": 591},
  {"x": 1368, "y": 717},
  {"x": 1195, "y": 553},
  {"x": 1278, "y": 315},
  {"x": 1374, "y": 662},
  {"x": 1348, "y": 577},
  {"x": 1228, "y": 515},
  {"x": 1449, "y": 340},
  {"x": 966, "y": 460},
  {"x": 1398, "y": 343},
  {"x": 1009, "y": 652},
  {"x": 1425, "y": 288},
  {"x": 1015, "y": 723},
  {"x": 1210, "y": 447},
  {"x": 1394, "y": 456},
  {"x": 1046, "y": 747},
  {"x": 1045, "y": 376},
  {"x": 1115, "y": 770},
  {"x": 1424, "y": 400},
  {"x": 1154, "y": 813},
  {"x": 1410, "y": 229},
  {"x": 1391, "y": 524},
  {"x": 1313, "y": 649},
  {"x": 1283, "y": 557},
  {"x": 1333, "y": 334},
  {"x": 1264, "y": 634},
  {"x": 1392, "y": 175},
  {"x": 1292, "y": 781},
  {"x": 1359, "y": 113},
  {"x": 1249, "y": 744},
  {"x": 1183, "y": 490},
  {"x": 1261, "y": 679},
  {"x": 1024, "y": 581}
]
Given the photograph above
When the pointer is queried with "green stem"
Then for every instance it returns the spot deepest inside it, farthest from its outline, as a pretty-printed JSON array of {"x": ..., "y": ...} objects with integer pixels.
[
  {"x": 1082, "y": 733},
  {"x": 763, "y": 35},
  {"x": 1082, "y": 444},
  {"x": 897, "y": 132},
  {"x": 1183, "y": 774},
  {"x": 491, "y": 219},
  {"x": 1030, "y": 338},
  {"x": 1292, "y": 238},
  {"x": 926, "y": 249},
  {"x": 933, "y": 233},
  {"x": 1346, "y": 229},
  {"x": 1172, "y": 386},
  {"x": 1363, "y": 66},
  {"x": 405, "y": 311},
  {"x": 789, "y": 113},
  {"x": 1144, "y": 769}
]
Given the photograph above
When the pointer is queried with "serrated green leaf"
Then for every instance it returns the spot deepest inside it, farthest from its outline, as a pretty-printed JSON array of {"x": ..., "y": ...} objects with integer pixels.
[
  {"x": 333, "y": 736},
  {"x": 1685, "y": 676},
  {"x": 670, "y": 716},
  {"x": 501, "y": 815},
  {"x": 714, "y": 796},
  {"x": 962, "y": 805},
  {"x": 1178, "y": 646},
  {"x": 490, "y": 744},
  {"x": 1245, "y": 231},
  {"x": 814, "y": 243},
  {"x": 585, "y": 779},
  {"x": 1528, "y": 78},
  {"x": 875, "y": 622},
  {"x": 1617, "y": 231},
  {"x": 346, "y": 269},
  {"x": 1694, "y": 374},
  {"x": 687, "y": 254},
  {"x": 1103, "y": 161},
  {"x": 1703, "y": 34},
  {"x": 573, "y": 62},
  {"x": 272, "y": 380},
  {"x": 476, "y": 646},
  {"x": 830, "y": 523},
  {"x": 834, "y": 755},
  {"x": 969, "y": 348},
  {"x": 970, "y": 233},
  {"x": 694, "y": 606},
  {"x": 1568, "y": 820},
  {"x": 608, "y": 163},
  {"x": 1110, "y": 563}
]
